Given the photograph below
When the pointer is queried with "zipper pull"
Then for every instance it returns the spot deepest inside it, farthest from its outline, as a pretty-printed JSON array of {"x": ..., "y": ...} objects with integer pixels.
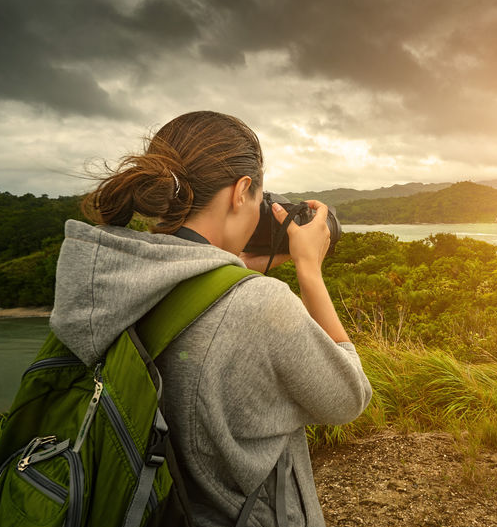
[
  {"x": 44, "y": 454},
  {"x": 97, "y": 393},
  {"x": 90, "y": 412},
  {"x": 48, "y": 439},
  {"x": 31, "y": 447},
  {"x": 96, "y": 376},
  {"x": 99, "y": 386}
]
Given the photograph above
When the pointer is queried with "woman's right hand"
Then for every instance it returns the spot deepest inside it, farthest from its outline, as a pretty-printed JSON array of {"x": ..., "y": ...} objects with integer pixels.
[
  {"x": 308, "y": 246},
  {"x": 309, "y": 242}
]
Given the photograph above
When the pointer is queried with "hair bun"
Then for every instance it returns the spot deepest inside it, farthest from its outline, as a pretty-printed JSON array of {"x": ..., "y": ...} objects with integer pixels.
[{"x": 186, "y": 163}]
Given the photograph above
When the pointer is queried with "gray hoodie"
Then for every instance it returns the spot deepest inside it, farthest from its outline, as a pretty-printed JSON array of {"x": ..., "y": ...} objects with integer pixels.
[{"x": 240, "y": 383}]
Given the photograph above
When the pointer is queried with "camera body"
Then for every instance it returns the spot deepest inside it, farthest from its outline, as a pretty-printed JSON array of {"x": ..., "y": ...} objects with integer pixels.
[{"x": 267, "y": 233}]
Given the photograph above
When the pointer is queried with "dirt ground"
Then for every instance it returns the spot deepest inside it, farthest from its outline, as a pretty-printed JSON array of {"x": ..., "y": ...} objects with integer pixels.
[{"x": 414, "y": 480}]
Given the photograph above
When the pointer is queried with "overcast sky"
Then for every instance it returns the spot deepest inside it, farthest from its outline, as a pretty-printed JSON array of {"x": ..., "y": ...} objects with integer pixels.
[{"x": 342, "y": 93}]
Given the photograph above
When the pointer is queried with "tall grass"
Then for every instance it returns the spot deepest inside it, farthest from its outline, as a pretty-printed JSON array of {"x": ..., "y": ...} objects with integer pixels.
[{"x": 418, "y": 390}]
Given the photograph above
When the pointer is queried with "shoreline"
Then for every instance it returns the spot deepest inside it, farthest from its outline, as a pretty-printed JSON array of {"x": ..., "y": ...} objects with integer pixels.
[{"x": 25, "y": 312}]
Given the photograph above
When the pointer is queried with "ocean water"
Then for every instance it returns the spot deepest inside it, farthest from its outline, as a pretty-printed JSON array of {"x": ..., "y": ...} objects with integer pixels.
[
  {"x": 486, "y": 232},
  {"x": 20, "y": 340}
]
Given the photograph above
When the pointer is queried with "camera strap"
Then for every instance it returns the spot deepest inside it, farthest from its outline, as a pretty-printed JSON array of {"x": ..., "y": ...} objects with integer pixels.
[{"x": 282, "y": 230}]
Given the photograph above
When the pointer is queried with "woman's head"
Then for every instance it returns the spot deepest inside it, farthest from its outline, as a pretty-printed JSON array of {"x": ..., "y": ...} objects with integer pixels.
[{"x": 187, "y": 162}]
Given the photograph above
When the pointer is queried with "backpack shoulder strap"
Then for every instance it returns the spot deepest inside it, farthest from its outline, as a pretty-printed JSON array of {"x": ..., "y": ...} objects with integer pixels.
[{"x": 185, "y": 303}]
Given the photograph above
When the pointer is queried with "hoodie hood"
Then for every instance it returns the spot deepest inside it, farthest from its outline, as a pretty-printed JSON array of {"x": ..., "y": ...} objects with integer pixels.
[{"x": 109, "y": 277}]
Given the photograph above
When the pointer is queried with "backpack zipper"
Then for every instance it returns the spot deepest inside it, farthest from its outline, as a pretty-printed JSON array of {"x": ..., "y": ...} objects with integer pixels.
[
  {"x": 125, "y": 440},
  {"x": 45, "y": 485},
  {"x": 54, "y": 490},
  {"x": 122, "y": 432},
  {"x": 52, "y": 362},
  {"x": 76, "y": 471},
  {"x": 112, "y": 412}
]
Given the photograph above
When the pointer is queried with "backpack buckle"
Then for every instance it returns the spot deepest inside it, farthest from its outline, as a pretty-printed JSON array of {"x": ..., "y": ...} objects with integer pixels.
[{"x": 156, "y": 450}]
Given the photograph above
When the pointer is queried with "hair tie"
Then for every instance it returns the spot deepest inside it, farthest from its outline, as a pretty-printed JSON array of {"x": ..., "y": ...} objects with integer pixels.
[{"x": 178, "y": 186}]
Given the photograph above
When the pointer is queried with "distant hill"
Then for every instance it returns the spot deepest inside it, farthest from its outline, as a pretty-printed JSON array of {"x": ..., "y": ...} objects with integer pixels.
[
  {"x": 343, "y": 195},
  {"x": 489, "y": 183},
  {"x": 463, "y": 202}
]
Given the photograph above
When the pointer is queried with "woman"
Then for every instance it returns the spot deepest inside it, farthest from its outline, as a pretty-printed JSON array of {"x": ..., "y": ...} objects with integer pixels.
[{"x": 245, "y": 378}]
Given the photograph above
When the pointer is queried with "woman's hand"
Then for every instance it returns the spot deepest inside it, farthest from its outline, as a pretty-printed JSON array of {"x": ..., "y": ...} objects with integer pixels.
[
  {"x": 309, "y": 242},
  {"x": 308, "y": 246},
  {"x": 258, "y": 262}
]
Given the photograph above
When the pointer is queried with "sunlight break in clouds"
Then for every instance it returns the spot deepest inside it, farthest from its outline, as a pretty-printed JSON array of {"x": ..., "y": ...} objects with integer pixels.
[
  {"x": 356, "y": 153},
  {"x": 358, "y": 94}
]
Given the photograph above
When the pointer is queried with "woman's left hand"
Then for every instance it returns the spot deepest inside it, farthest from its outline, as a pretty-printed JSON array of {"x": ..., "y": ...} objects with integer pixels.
[{"x": 258, "y": 262}]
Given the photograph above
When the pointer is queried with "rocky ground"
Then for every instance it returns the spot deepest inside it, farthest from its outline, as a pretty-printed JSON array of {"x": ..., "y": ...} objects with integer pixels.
[{"x": 425, "y": 480}]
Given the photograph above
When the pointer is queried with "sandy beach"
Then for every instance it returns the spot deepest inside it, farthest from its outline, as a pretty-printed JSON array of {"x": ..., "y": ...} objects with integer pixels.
[{"x": 23, "y": 312}]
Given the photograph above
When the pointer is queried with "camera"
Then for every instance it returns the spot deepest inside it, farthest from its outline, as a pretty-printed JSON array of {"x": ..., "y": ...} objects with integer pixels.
[{"x": 271, "y": 238}]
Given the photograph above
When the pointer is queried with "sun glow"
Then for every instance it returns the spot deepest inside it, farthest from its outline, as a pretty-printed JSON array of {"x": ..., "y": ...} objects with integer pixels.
[
  {"x": 355, "y": 152},
  {"x": 430, "y": 161}
]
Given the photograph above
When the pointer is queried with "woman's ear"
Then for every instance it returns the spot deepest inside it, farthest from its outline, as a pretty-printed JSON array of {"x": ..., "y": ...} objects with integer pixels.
[{"x": 241, "y": 191}]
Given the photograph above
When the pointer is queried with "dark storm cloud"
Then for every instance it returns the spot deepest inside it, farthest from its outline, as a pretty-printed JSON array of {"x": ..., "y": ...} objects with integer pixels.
[
  {"x": 51, "y": 51},
  {"x": 438, "y": 56},
  {"x": 435, "y": 56},
  {"x": 358, "y": 40}
]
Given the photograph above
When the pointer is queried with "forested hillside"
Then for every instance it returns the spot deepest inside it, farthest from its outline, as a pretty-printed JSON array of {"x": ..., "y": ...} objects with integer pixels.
[
  {"x": 344, "y": 195},
  {"x": 29, "y": 223},
  {"x": 463, "y": 202},
  {"x": 401, "y": 281},
  {"x": 441, "y": 291},
  {"x": 32, "y": 229}
]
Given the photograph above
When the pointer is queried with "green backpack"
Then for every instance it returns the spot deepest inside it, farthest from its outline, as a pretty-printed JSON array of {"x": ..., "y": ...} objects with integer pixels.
[{"x": 84, "y": 447}]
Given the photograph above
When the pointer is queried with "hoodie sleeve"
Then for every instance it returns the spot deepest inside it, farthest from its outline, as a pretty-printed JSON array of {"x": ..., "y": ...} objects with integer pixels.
[{"x": 285, "y": 365}]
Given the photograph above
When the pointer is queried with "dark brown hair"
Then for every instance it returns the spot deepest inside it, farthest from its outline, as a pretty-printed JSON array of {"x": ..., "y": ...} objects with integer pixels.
[{"x": 205, "y": 151}]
